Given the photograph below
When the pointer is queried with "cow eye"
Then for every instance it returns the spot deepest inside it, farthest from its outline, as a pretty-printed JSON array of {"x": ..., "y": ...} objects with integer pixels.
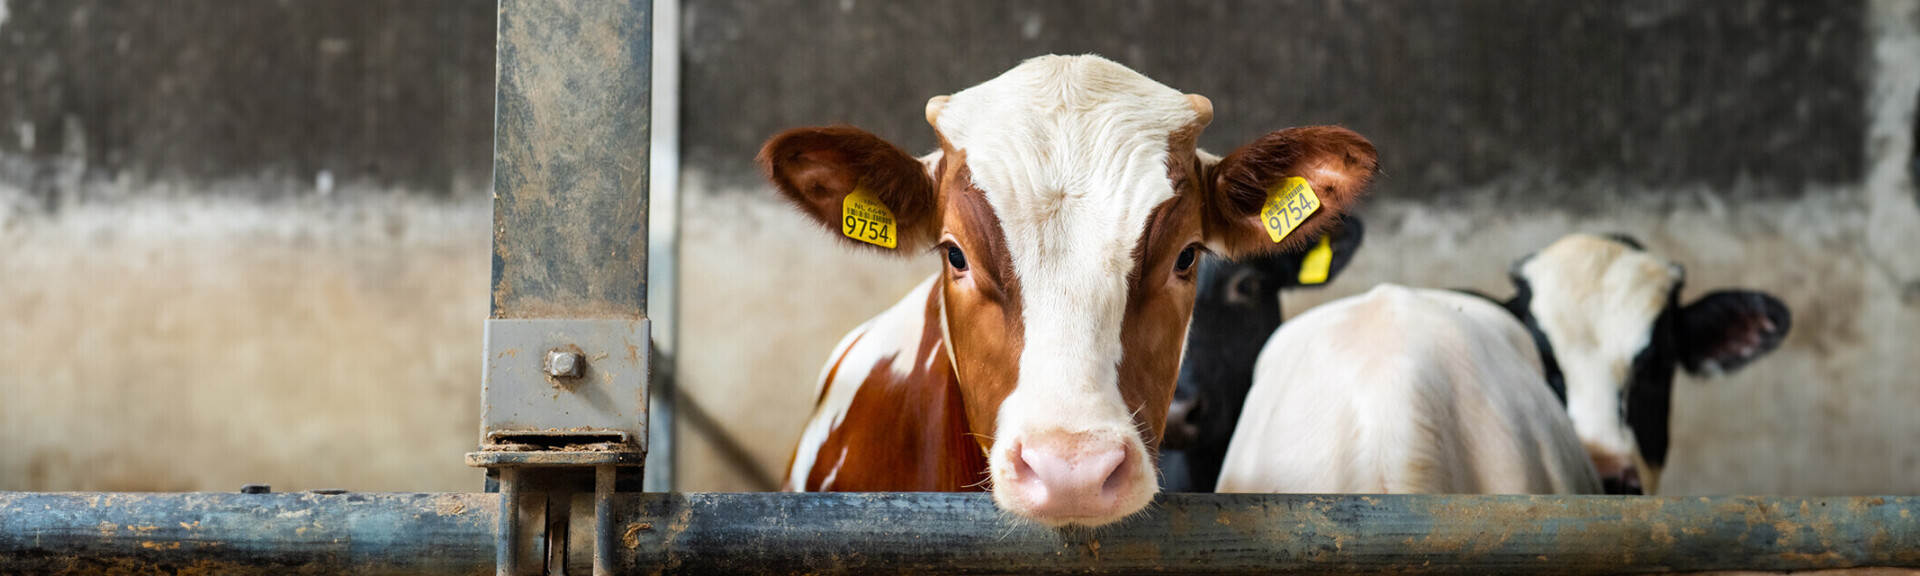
[
  {"x": 956, "y": 259},
  {"x": 1185, "y": 262}
]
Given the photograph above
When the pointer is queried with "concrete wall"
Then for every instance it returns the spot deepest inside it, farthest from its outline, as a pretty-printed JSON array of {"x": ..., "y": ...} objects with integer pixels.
[
  {"x": 242, "y": 242},
  {"x": 1761, "y": 143},
  {"x": 247, "y": 242}
]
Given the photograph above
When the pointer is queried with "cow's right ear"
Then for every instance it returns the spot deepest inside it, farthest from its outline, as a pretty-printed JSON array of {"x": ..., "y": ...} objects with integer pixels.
[{"x": 868, "y": 191}]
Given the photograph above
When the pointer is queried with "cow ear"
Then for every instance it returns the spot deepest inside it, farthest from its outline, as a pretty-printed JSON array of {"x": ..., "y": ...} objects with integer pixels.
[
  {"x": 1334, "y": 163},
  {"x": 868, "y": 191},
  {"x": 1724, "y": 330}
]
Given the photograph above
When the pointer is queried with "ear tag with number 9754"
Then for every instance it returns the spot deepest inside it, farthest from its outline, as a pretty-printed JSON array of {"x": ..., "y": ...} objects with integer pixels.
[
  {"x": 863, "y": 217},
  {"x": 1287, "y": 206}
]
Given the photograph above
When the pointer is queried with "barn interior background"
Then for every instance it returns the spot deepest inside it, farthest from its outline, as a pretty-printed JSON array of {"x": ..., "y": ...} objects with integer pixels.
[{"x": 247, "y": 242}]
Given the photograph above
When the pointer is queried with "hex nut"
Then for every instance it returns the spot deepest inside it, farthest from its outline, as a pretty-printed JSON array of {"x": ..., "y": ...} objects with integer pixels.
[{"x": 565, "y": 364}]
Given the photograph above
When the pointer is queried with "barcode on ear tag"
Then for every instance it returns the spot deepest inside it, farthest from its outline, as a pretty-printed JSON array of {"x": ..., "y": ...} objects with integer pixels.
[
  {"x": 1318, "y": 264},
  {"x": 863, "y": 217},
  {"x": 1287, "y": 206}
]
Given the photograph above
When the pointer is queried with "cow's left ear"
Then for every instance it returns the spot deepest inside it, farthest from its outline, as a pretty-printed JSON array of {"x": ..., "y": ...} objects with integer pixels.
[
  {"x": 1254, "y": 198},
  {"x": 1724, "y": 330}
]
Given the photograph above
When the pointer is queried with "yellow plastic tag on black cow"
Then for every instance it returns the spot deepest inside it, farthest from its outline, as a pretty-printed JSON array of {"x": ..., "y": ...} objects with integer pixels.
[
  {"x": 1318, "y": 264},
  {"x": 1287, "y": 206},
  {"x": 863, "y": 217}
]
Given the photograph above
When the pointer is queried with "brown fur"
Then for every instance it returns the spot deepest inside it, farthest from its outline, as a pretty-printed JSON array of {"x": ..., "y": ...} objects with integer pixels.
[
  {"x": 888, "y": 448},
  {"x": 1159, "y": 302},
  {"x": 816, "y": 168}
]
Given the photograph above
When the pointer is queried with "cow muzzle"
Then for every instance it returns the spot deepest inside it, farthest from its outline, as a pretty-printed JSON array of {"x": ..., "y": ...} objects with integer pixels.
[{"x": 1082, "y": 478}]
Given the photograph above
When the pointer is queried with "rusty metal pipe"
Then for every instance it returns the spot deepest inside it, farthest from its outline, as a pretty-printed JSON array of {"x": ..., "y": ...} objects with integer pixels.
[
  {"x": 230, "y": 533},
  {"x": 1263, "y": 534},
  {"x": 382, "y": 533}
]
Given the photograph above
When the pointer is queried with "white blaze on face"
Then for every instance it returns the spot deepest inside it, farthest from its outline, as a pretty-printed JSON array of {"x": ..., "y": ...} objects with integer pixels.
[
  {"x": 1597, "y": 300},
  {"x": 1071, "y": 152}
]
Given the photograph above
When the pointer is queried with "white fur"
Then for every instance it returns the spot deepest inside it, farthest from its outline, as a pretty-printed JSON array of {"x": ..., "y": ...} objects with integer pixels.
[
  {"x": 895, "y": 332},
  {"x": 1597, "y": 300},
  {"x": 1404, "y": 390}
]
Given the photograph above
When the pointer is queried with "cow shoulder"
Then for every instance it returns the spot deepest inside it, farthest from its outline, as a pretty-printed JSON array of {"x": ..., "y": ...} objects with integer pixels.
[{"x": 889, "y": 416}]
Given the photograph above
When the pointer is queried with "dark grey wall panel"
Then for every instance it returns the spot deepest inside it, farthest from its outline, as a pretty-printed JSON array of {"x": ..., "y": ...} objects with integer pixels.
[
  {"x": 377, "y": 93},
  {"x": 1758, "y": 98}
]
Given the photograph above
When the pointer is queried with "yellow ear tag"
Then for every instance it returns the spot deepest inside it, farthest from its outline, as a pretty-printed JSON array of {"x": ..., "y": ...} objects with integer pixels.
[
  {"x": 1318, "y": 264},
  {"x": 863, "y": 217},
  {"x": 1287, "y": 206}
]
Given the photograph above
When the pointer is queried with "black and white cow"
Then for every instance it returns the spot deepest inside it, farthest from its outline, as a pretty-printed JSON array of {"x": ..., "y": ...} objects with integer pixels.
[
  {"x": 1411, "y": 390},
  {"x": 1607, "y": 315},
  {"x": 1236, "y": 307}
]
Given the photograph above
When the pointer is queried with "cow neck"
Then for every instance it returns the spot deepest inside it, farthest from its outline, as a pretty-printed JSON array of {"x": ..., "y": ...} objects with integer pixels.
[{"x": 1520, "y": 307}]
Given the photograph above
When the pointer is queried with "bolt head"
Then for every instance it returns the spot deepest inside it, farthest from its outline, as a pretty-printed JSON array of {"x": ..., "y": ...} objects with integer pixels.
[{"x": 565, "y": 364}]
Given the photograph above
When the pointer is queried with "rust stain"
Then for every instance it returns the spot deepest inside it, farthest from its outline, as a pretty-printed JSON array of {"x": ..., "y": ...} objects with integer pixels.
[
  {"x": 632, "y": 538},
  {"x": 151, "y": 545},
  {"x": 142, "y": 529},
  {"x": 449, "y": 505},
  {"x": 1662, "y": 533}
]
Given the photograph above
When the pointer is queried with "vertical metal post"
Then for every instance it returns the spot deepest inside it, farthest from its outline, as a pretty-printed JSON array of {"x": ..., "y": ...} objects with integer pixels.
[
  {"x": 506, "y": 551},
  {"x": 663, "y": 244},
  {"x": 571, "y": 133},
  {"x": 603, "y": 478},
  {"x": 568, "y": 344}
]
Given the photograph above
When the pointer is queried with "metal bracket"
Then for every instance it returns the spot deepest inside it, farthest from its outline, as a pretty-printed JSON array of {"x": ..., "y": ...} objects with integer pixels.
[{"x": 563, "y": 411}]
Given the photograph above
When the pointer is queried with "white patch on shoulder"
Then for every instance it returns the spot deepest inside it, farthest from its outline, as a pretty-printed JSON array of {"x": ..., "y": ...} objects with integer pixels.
[
  {"x": 896, "y": 333},
  {"x": 1071, "y": 152},
  {"x": 1596, "y": 300}
]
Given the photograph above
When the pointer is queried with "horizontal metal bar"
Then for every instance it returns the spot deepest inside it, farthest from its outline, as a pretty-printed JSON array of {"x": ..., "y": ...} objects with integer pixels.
[
  {"x": 1263, "y": 534},
  {"x": 224, "y": 533},
  {"x": 374, "y": 533}
]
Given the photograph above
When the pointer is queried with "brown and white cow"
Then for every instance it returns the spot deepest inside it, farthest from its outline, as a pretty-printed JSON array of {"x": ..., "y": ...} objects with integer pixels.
[{"x": 1068, "y": 204}]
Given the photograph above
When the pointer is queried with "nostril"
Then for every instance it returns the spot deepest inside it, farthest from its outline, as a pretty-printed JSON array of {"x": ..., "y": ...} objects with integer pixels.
[{"x": 1117, "y": 476}]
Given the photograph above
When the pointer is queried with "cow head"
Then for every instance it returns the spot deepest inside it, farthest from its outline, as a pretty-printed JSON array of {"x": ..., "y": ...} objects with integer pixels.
[
  {"x": 1610, "y": 312},
  {"x": 1069, "y": 207}
]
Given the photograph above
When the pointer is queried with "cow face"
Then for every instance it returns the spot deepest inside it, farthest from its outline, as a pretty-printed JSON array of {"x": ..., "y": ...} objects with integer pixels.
[
  {"x": 1610, "y": 313},
  {"x": 1069, "y": 207}
]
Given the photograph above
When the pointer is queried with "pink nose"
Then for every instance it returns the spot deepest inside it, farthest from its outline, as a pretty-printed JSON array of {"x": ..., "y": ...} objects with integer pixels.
[{"x": 1071, "y": 476}]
